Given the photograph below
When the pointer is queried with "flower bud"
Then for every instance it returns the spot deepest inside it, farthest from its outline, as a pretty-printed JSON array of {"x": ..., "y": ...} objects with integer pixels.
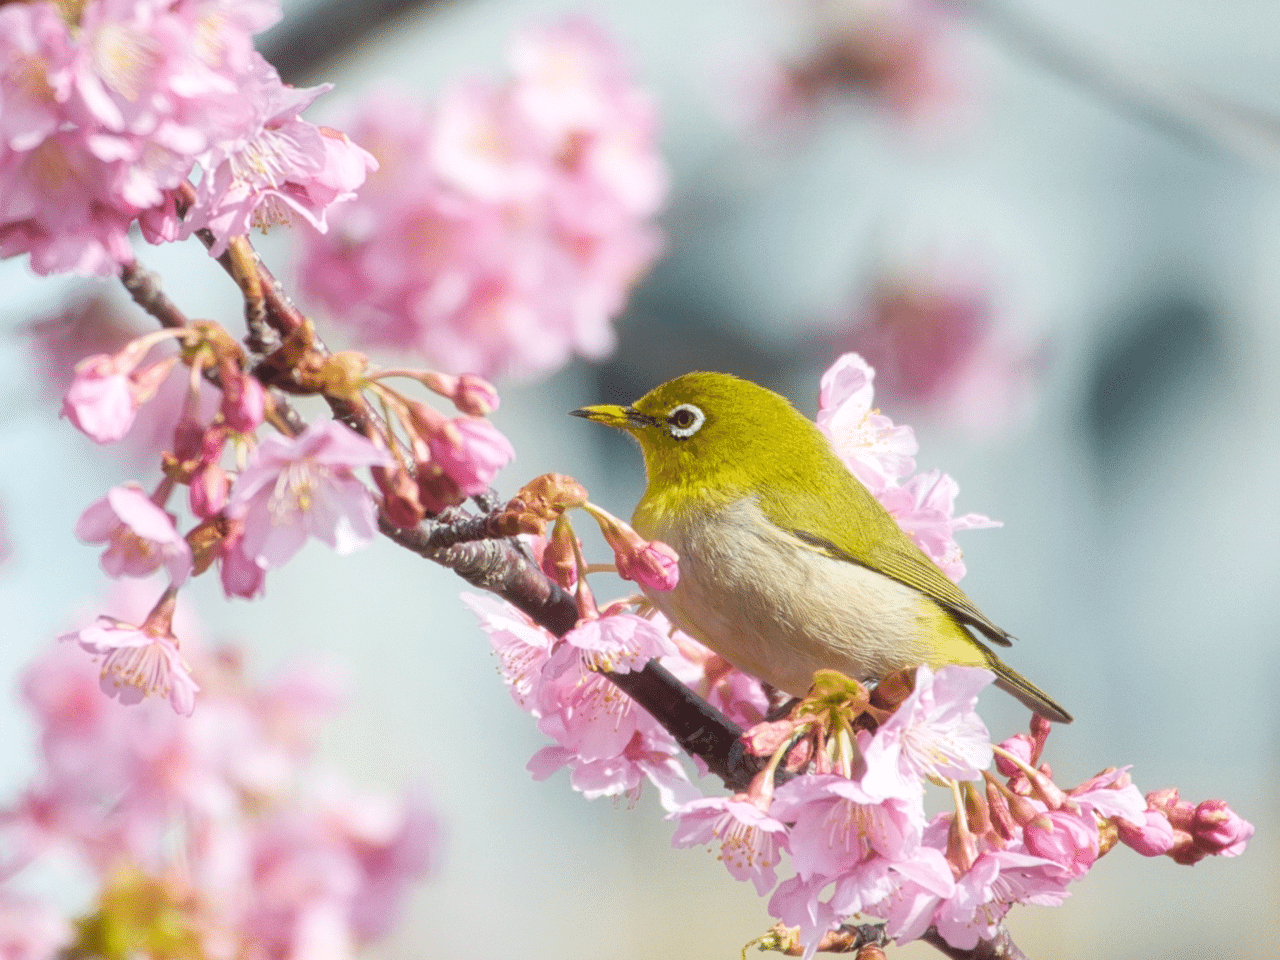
[
  {"x": 1069, "y": 840},
  {"x": 655, "y": 566},
  {"x": 998, "y": 808},
  {"x": 1219, "y": 830},
  {"x": 399, "y": 495},
  {"x": 208, "y": 492},
  {"x": 1022, "y": 747},
  {"x": 1153, "y": 839},
  {"x": 1179, "y": 812},
  {"x": 243, "y": 399}
]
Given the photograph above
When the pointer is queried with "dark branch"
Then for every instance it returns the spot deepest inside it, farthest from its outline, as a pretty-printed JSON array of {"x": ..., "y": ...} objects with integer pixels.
[{"x": 300, "y": 46}]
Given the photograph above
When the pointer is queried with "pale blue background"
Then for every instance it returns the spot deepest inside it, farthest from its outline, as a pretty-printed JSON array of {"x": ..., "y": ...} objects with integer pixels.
[{"x": 1140, "y": 572}]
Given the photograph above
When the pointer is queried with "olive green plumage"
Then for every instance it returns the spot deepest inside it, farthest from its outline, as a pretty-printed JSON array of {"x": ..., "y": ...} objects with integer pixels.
[{"x": 788, "y": 563}]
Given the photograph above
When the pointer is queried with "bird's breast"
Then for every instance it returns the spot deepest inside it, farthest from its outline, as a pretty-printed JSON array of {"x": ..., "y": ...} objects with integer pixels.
[{"x": 780, "y": 609}]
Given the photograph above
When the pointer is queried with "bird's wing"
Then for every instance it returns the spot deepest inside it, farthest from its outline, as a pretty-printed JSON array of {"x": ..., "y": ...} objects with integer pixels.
[
  {"x": 864, "y": 533},
  {"x": 917, "y": 571}
]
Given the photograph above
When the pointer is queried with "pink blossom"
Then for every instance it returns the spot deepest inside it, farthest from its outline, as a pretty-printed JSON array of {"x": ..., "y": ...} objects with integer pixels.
[
  {"x": 279, "y": 167},
  {"x": 618, "y": 643},
  {"x": 293, "y": 488},
  {"x": 837, "y": 825},
  {"x": 507, "y": 225},
  {"x": 35, "y": 54},
  {"x": 522, "y": 646},
  {"x": 140, "y": 537},
  {"x": 645, "y": 757},
  {"x": 797, "y": 903},
  {"x": 934, "y": 733},
  {"x": 285, "y": 868},
  {"x": 137, "y": 664},
  {"x": 56, "y": 205},
  {"x": 465, "y": 454},
  {"x": 984, "y": 893},
  {"x": 923, "y": 507},
  {"x": 100, "y": 400},
  {"x": 751, "y": 842},
  {"x": 878, "y": 453},
  {"x": 1111, "y": 795}
]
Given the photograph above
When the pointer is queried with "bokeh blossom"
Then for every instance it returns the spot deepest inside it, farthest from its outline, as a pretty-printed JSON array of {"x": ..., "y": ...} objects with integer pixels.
[
  {"x": 214, "y": 835},
  {"x": 506, "y": 224}
]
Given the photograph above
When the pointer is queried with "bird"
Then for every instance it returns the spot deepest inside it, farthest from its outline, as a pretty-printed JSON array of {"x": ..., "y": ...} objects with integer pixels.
[{"x": 788, "y": 563}]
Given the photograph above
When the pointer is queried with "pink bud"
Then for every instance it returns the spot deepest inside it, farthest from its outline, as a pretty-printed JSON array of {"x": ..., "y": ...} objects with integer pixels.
[
  {"x": 475, "y": 396},
  {"x": 1154, "y": 839},
  {"x": 1178, "y": 811},
  {"x": 471, "y": 452},
  {"x": 100, "y": 401},
  {"x": 962, "y": 845},
  {"x": 1219, "y": 830},
  {"x": 1184, "y": 849},
  {"x": 1022, "y": 747},
  {"x": 655, "y": 566},
  {"x": 209, "y": 487},
  {"x": 1001, "y": 817},
  {"x": 1069, "y": 840},
  {"x": 243, "y": 399}
]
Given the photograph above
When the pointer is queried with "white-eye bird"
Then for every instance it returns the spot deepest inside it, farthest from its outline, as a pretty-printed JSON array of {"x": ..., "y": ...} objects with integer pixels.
[{"x": 788, "y": 564}]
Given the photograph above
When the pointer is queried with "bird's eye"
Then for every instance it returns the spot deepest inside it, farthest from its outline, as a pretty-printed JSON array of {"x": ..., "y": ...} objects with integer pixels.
[{"x": 685, "y": 420}]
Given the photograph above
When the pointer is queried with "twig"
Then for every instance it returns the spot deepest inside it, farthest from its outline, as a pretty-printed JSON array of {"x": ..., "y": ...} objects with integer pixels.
[
  {"x": 1150, "y": 95},
  {"x": 144, "y": 287}
]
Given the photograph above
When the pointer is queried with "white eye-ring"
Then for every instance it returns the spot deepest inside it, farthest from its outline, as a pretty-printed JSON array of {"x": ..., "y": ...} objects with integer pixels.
[{"x": 685, "y": 420}]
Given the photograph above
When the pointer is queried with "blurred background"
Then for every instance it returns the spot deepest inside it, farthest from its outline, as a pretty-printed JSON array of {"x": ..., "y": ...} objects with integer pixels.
[{"x": 1100, "y": 246}]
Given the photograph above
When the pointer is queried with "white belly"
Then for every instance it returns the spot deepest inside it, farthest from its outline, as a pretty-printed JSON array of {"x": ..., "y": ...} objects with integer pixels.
[{"x": 780, "y": 610}]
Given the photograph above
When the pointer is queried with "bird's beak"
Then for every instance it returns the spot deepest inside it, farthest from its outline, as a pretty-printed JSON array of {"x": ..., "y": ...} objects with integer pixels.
[{"x": 612, "y": 415}]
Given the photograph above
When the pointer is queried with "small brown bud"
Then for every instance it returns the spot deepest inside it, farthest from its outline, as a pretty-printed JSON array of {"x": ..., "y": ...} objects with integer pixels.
[{"x": 399, "y": 496}]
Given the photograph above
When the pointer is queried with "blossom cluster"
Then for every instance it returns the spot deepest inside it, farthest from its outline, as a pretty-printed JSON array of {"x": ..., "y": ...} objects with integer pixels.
[
  {"x": 936, "y": 342},
  {"x": 113, "y": 107},
  {"x": 212, "y": 836},
  {"x": 506, "y": 223},
  {"x": 855, "y": 828},
  {"x": 896, "y": 54},
  {"x": 882, "y": 456},
  {"x": 284, "y": 488}
]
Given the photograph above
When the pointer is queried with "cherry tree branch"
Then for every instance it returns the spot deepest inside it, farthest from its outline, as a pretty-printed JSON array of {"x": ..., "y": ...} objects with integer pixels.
[{"x": 468, "y": 545}]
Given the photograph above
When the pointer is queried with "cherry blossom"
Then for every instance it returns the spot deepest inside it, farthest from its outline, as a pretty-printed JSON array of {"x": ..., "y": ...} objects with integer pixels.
[
  {"x": 878, "y": 453},
  {"x": 140, "y": 537},
  {"x": 923, "y": 507},
  {"x": 137, "y": 663},
  {"x": 506, "y": 224},
  {"x": 750, "y": 840},
  {"x": 295, "y": 488},
  {"x": 935, "y": 732}
]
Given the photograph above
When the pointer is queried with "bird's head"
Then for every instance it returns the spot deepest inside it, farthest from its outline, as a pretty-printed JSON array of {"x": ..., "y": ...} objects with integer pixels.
[{"x": 710, "y": 434}]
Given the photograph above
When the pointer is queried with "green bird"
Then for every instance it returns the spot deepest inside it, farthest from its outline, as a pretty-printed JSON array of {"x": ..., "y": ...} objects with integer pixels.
[{"x": 788, "y": 564}]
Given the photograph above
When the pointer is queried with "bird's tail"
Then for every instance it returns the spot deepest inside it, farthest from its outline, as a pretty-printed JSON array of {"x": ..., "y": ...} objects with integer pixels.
[{"x": 1014, "y": 683}]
